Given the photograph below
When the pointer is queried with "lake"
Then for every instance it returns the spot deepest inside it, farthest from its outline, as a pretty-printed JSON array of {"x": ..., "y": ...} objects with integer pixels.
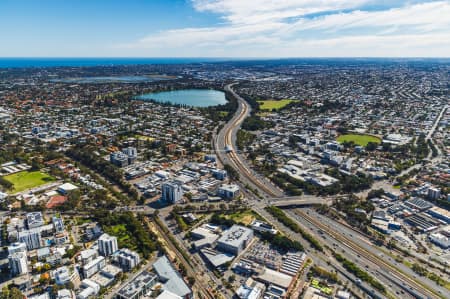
[{"x": 189, "y": 97}]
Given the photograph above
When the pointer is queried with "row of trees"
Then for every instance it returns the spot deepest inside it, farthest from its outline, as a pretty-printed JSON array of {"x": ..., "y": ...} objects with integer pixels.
[
  {"x": 86, "y": 156},
  {"x": 291, "y": 224}
]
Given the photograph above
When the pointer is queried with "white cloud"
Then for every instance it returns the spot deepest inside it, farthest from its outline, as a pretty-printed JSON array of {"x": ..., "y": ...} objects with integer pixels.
[{"x": 270, "y": 28}]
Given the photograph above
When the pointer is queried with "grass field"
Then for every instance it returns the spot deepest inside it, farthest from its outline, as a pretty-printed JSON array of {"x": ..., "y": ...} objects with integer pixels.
[
  {"x": 27, "y": 179},
  {"x": 123, "y": 236},
  {"x": 274, "y": 104},
  {"x": 358, "y": 139},
  {"x": 142, "y": 137},
  {"x": 245, "y": 217}
]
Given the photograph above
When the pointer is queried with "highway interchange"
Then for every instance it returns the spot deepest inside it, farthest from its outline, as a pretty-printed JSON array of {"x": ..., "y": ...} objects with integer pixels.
[{"x": 399, "y": 280}]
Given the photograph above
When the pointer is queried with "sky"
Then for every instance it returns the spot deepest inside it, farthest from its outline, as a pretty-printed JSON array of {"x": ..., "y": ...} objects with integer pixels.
[{"x": 224, "y": 28}]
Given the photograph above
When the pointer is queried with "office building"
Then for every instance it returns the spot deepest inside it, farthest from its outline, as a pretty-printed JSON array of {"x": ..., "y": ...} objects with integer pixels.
[
  {"x": 119, "y": 159},
  {"x": 171, "y": 192},
  {"x": 107, "y": 245},
  {"x": 131, "y": 154},
  {"x": 18, "y": 263},
  {"x": 235, "y": 240},
  {"x": 434, "y": 193},
  {"x": 31, "y": 237},
  {"x": 228, "y": 191}
]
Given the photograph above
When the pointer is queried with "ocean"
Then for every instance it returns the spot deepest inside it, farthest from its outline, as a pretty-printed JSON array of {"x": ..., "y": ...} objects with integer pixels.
[{"x": 80, "y": 62}]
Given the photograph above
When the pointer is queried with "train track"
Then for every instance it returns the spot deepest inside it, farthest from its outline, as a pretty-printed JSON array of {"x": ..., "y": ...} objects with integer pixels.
[
  {"x": 369, "y": 255},
  {"x": 180, "y": 257}
]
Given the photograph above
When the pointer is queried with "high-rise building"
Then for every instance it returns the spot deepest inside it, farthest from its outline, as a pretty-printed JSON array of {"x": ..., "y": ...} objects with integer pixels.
[
  {"x": 434, "y": 193},
  {"x": 18, "y": 263},
  {"x": 131, "y": 153},
  {"x": 31, "y": 237},
  {"x": 171, "y": 192},
  {"x": 107, "y": 245}
]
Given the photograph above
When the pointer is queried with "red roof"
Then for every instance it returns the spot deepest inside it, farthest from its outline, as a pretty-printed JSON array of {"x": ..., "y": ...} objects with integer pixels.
[{"x": 55, "y": 201}]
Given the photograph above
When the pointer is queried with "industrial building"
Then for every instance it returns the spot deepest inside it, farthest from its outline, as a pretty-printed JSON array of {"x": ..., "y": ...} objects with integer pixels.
[{"x": 171, "y": 279}]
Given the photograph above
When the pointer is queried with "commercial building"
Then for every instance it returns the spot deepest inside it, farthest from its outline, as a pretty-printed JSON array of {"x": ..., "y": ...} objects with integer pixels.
[
  {"x": 127, "y": 259},
  {"x": 228, "y": 191},
  {"x": 107, "y": 245},
  {"x": 235, "y": 240},
  {"x": 171, "y": 192},
  {"x": 35, "y": 219},
  {"x": 58, "y": 224},
  {"x": 31, "y": 237},
  {"x": 119, "y": 159},
  {"x": 171, "y": 279},
  {"x": 138, "y": 287},
  {"x": 18, "y": 263},
  {"x": 88, "y": 255}
]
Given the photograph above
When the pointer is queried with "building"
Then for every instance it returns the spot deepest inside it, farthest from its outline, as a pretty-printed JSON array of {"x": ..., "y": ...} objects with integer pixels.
[
  {"x": 228, "y": 191},
  {"x": 88, "y": 255},
  {"x": 31, "y": 237},
  {"x": 441, "y": 239},
  {"x": 263, "y": 227},
  {"x": 65, "y": 294},
  {"x": 434, "y": 193},
  {"x": 171, "y": 192},
  {"x": 64, "y": 275},
  {"x": 220, "y": 174},
  {"x": 127, "y": 259},
  {"x": 131, "y": 154},
  {"x": 439, "y": 213},
  {"x": 171, "y": 279},
  {"x": 250, "y": 290},
  {"x": 93, "y": 266},
  {"x": 119, "y": 159},
  {"x": 235, "y": 240},
  {"x": 138, "y": 287},
  {"x": 17, "y": 247},
  {"x": 88, "y": 289},
  {"x": 58, "y": 224},
  {"x": 18, "y": 263},
  {"x": 34, "y": 219},
  {"x": 66, "y": 188},
  {"x": 107, "y": 245}
]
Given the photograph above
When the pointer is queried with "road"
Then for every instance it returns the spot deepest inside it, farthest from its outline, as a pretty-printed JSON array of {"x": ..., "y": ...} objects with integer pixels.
[
  {"x": 371, "y": 255},
  {"x": 398, "y": 281},
  {"x": 227, "y": 137}
]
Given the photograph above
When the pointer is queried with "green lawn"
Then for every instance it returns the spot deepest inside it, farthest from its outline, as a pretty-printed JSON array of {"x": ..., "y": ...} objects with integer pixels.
[
  {"x": 27, "y": 179},
  {"x": 143, "y": 137},
  {"x": 358, "y": 139},
  {"x": 274, "y": 104}
]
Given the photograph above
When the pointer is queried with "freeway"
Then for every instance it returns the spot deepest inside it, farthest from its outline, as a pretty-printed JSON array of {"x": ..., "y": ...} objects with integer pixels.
[
  {"x": 385, "y": 271},
  {"x": 419, "y": 287},
  {"x": 227, "y": 138}
]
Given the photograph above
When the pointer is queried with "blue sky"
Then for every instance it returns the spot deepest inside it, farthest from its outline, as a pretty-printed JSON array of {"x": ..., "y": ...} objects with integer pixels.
[{"x": 224, "y": 28}]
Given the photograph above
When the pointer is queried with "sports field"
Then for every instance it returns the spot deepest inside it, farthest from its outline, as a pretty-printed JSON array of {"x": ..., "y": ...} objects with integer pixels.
[
  {"x": 274, "y": 104},
  {"x": 27, "y": 179},
  {"x": 358, "y": 139}
]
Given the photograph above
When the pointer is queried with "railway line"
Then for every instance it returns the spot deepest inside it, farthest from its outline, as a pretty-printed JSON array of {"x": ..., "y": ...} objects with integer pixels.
[
  {"x": 190, "y": 271},
  {"x": 372, "y": 257}
]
